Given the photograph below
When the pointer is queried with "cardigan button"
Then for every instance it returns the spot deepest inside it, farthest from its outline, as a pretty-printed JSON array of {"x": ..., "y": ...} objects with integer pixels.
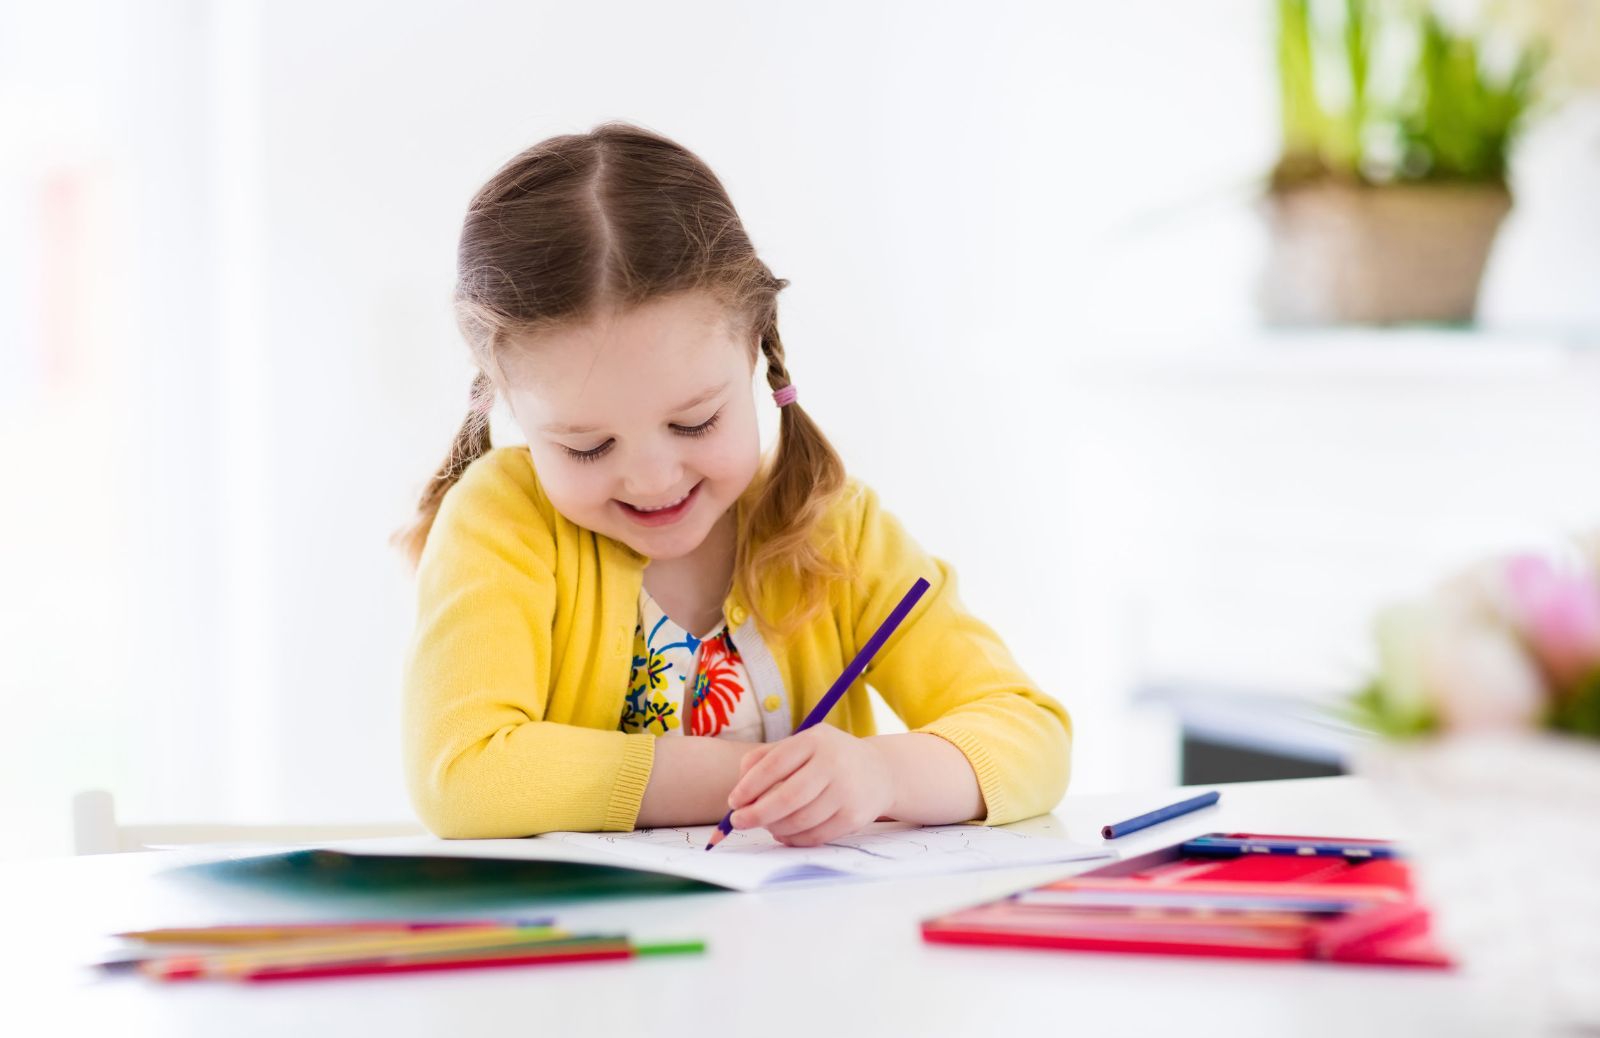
[
  {"x": 738, "y": 616},
  {"x": 772, "y": 703}
]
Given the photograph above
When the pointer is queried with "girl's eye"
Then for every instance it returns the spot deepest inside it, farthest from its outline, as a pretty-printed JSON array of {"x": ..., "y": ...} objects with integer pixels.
[
  {"x": 594, "y": 453},
  {"x": 698, "y": 430},
  {"x": 589, "y": 455}
]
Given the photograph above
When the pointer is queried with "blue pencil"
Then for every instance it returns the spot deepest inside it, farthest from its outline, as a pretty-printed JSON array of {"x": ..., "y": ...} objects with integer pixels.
[
  {"x": 1144, "y": 821},
  {"x": 851, "y": 671},
  {"x": 1227, "y": 846}
]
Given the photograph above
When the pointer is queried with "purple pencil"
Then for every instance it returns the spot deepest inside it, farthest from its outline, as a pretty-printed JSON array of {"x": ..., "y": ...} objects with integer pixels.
[{"x": 851, "y": 671}]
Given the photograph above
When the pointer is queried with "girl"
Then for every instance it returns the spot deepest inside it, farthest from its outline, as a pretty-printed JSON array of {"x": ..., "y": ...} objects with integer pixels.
[{"x": 620, "y": 623}]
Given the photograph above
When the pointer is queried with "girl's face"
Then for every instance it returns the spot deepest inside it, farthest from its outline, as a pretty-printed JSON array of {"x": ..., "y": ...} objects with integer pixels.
[{"x": 642, "y": 424}]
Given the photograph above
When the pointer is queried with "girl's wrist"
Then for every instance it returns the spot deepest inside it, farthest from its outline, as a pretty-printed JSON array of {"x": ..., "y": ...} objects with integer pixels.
[
  {"x": 891, "y": 766},
  {"x": 931, "y": 781}
]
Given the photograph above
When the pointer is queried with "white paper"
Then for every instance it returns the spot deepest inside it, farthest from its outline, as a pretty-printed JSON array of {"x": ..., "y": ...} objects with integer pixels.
[{"x": 753, "y": 860}]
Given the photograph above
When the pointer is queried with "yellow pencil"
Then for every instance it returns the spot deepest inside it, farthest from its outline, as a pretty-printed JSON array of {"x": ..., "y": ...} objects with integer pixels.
[
  {"x": 233, "y": 963},
  {"x": 255, "y": 933}
]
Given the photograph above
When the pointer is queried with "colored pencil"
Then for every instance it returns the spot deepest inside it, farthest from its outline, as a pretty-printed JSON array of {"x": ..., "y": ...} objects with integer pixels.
[
  {"x": 851, "y": 671},
  {"x": 1162, "y": 814},
  {"x": 1310, "y": 847},
  {"x": 303, "y": 952},
  {"x": 252, "y": 933},
  {"x": 531, "y": 957},
  {"x": 1176, "y": 898}
]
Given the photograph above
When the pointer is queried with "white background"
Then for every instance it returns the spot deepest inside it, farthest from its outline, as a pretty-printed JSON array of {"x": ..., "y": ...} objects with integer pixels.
[{"x": 1022, "y": 242}]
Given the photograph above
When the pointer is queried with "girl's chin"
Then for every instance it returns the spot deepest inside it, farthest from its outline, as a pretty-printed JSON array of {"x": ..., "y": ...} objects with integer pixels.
[{"x": 668, "y": 544}]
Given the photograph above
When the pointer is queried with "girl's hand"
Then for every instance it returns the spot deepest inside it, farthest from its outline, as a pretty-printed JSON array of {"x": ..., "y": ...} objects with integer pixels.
[{"x": 813, "y": 787}]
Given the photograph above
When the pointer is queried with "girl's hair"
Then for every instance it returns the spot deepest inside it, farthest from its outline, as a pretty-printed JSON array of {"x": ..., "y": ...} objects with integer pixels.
[{"x": 584, "y": 224}]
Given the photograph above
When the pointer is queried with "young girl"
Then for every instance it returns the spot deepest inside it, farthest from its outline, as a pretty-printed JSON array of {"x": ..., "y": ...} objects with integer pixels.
[{"x": 620, "y": 624}]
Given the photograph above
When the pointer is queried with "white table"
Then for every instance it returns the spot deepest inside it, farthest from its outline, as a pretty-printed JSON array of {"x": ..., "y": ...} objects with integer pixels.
[{"x": 840, "y": 960}]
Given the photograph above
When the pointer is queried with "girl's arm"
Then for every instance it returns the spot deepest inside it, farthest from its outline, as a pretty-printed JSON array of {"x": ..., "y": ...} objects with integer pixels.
[
  {"x": 690, "y": 781},
  {"x": 933, "y": 782},
  {"x": 987, "y": 744},
  {"x": 950, "y": 676},
  {"x": 482, "y": 757}
]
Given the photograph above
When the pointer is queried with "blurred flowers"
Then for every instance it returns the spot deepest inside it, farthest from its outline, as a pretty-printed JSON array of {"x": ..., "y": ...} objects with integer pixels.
[{"x": 1509, "y": 643}]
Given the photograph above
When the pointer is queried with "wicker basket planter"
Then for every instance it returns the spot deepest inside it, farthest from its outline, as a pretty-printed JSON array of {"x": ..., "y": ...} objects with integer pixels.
[{"x": 1343, "y": 252}]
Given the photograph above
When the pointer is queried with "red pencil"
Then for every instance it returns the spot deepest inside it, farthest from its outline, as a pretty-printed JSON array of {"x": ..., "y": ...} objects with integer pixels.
[
  {"x": 531, "y": 957},
  {"x": 354, "y": 969}
]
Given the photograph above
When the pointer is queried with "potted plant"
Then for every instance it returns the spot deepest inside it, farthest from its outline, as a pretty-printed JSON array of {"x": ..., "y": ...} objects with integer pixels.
[
  {"x": 1397, "y": 126},
  {"x": 1486, "y": 699}
]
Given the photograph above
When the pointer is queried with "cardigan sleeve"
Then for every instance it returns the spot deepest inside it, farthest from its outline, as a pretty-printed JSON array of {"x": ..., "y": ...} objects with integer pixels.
[
  {"x": 947, "y": 673},
  {"x": 479, "y": 757}
]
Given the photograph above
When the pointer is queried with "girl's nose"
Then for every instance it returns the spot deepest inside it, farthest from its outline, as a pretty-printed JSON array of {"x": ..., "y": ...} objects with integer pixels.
[{"x": 653, "y": 475}]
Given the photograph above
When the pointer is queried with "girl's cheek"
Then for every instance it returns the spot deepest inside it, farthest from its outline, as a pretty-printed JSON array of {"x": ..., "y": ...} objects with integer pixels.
[
  {"x": 590, "y": 483},
  {"x": 571, "y": 485},
  {"x": 731, "y": 461},
  {"x": 737, "y": 454}
]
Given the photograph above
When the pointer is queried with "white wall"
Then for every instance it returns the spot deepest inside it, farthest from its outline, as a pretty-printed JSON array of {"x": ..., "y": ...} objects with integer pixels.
[
  {"x": 963, "y": 199},
  {"x": 935, "y": 183}
]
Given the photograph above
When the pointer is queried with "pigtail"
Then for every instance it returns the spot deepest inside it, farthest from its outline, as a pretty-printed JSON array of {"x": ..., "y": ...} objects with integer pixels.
[
  {"x": 804, "y": 477},
  {"x": 471, "y": 443}
]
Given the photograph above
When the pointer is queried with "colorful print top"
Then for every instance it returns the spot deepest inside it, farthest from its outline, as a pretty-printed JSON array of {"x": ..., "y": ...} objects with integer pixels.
[{"x": 664, "y": 661}]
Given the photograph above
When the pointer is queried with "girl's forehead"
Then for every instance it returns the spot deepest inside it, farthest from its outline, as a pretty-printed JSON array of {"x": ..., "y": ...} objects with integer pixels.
[{"x": 664, "y": 348}]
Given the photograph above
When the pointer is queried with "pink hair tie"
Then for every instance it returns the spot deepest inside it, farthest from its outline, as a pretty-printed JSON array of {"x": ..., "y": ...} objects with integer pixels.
[{"x": 785, "y": 395}]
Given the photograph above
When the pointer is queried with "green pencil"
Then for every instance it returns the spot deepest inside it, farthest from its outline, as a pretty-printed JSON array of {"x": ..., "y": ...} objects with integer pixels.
[{"x": 675, "y": 948}]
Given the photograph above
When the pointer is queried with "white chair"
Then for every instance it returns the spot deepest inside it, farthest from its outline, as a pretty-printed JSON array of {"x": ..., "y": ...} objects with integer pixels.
[{"x": 95, "y": 830}]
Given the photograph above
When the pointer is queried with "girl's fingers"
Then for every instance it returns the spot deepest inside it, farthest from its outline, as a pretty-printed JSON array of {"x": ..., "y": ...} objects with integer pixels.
[
  {"x": 753, "y": 757},
  {"x": 779, "y": 763},
  {"x": 750, "y": 759},
  {"x": 830, "y": 828},
  {"x": 784, "y": 799},
  {"x": 808, "y": 815}
]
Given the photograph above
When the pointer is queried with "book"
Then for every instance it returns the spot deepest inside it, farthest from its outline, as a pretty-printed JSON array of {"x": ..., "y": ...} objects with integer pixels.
[{"x": 747, "y": 860}]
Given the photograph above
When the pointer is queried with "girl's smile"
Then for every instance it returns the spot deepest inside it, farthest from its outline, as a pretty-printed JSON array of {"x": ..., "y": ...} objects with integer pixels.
[{"x": 661, "y": 515}]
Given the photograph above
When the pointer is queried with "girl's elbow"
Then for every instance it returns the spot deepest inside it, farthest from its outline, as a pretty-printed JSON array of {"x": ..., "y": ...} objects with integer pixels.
[
  {"x": 452, "y": 805},
  {"x": 447, "y": 813},
  {"x": 462, "y": 816},
  {"x": 463, "y": 803}
]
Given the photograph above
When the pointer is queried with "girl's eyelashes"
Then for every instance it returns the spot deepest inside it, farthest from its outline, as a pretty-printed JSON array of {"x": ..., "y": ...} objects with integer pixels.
[
  {"x": 698, "y": 430},
  {"x": 594, "y": 453},
  {"x": 591, "y": 454}
]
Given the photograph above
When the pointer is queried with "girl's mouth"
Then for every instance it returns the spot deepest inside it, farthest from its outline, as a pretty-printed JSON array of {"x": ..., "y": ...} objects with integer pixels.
[{"x": 661, "y": 516}]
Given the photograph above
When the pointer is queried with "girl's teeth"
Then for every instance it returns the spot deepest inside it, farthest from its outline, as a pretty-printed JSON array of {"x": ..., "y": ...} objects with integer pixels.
[{"x": 662, "y": 508}]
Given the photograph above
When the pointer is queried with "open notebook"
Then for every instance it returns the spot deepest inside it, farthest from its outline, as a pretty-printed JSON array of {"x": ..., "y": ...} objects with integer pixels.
[{"x": 753, "y": 860}]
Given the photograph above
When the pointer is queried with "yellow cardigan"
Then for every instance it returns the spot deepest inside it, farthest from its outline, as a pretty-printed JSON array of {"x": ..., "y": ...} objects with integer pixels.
[{"x": 523, "y": 650}]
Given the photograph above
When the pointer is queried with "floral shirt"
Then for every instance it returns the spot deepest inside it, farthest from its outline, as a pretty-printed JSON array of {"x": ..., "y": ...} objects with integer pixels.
[{"x": 668, "y": 661}]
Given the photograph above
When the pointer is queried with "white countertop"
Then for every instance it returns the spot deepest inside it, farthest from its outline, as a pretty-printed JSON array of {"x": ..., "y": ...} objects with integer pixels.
[{"x": 845, "y": 959}]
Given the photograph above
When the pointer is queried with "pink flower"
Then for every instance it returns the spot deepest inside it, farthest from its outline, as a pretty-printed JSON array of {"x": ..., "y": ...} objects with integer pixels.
[
  {"x": 1448, "y": 656},
  {"x": 1480, "y": 678},
  {"x": 1557, "y": 611}
]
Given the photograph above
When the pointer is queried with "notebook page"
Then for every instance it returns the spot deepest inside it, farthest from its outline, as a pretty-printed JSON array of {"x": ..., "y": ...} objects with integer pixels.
[{"x": 752, "y": 859}]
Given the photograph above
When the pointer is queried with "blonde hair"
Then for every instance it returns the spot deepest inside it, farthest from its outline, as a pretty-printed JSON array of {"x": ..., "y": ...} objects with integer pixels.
[{"x": 582, "y": 224}]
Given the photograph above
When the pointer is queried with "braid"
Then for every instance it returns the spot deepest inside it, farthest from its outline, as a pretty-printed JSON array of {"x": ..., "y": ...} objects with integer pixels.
[
  {"x": 771, "y": 343},
  {"x": 772, "y": 349},
  {"x": 805, "y": 476},
  {"x": 471, "y": 442}
]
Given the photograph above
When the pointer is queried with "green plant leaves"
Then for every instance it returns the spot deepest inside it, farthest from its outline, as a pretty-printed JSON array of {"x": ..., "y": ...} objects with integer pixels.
[{"x": 1373, "y": 90}]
